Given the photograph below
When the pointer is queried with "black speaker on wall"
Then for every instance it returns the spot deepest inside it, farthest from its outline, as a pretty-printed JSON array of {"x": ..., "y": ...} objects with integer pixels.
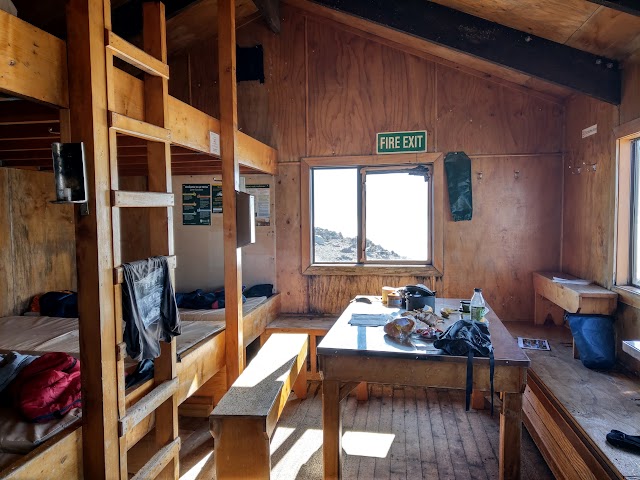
[{"x": 249, "y": 64}]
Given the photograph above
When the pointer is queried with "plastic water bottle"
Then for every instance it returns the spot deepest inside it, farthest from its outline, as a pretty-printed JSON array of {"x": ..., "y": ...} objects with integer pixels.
[{"x": 477, "y": 305}]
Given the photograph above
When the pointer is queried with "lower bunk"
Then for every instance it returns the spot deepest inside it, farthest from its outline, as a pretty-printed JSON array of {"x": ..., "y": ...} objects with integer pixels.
[
  {"x": 201, "y": 350},
  {"x": 200, "y": 371},
  {"x": 568, "y": 409}
]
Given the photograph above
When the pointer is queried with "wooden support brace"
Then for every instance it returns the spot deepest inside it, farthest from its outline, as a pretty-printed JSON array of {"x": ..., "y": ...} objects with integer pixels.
[
  {"x": 146, "y": 405},
  {"x": 159, "y": 461},
  {"x": 118, "y": 272},
  {"x": 124, "y": 199},
  {"x": 137, "y": 128},
  {"x": 134, "y": 56}
]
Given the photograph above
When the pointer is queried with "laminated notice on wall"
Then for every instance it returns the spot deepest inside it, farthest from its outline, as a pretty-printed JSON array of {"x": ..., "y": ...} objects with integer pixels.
[
  {"x": 196, "y": 204},
  {"x": 262, "y": 195},
  {"x": 216, "y": 198}
]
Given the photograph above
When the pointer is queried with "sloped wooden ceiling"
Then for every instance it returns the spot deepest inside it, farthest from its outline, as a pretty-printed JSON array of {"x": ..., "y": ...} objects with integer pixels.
[{"x": 577, "y": 23}]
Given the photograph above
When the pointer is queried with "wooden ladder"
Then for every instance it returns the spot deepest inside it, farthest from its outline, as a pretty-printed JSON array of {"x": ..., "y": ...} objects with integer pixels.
[{"x": 162, "y": 400}]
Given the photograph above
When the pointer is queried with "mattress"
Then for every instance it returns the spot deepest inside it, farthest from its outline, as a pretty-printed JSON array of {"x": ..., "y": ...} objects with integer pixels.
[
  {"x": 37, "y": 335},
  {"x": 187, "y": 314}
]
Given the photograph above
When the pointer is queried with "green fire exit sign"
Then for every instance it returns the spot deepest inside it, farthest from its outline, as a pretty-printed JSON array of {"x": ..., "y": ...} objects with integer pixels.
[{"x": 401, "y": 142}]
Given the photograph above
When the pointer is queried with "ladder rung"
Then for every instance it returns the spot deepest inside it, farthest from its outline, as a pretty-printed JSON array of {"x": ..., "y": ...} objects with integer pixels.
[
  {"x": 149, "y": 403},
  {"x": 126, "y": 199},
  {"x": 118, "y": 273},
  {"x": 134, "y": 56},
  {"x": 161, "y": 459},
  {"x": 138, "y": 128}
]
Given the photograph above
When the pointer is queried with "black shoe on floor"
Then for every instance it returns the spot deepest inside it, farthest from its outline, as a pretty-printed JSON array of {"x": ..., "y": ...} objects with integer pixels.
[{"x": 622, "y": 440}]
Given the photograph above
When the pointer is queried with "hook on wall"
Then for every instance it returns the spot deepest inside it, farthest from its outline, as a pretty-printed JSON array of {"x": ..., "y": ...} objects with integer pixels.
[
  {"x": 516, "y": 174},
  {"x": 479, "y": 175}
]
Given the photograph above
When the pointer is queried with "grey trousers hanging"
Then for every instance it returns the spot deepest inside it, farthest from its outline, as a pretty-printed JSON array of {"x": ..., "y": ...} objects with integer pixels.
[{"x": 458, "y": 168}]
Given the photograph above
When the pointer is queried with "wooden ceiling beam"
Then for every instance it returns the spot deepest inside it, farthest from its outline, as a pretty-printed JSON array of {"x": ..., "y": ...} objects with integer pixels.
[
  {"x": 270, "y": 11},
  {"x": 632, "y": 7},
  {"x": 520, "y": 51}
]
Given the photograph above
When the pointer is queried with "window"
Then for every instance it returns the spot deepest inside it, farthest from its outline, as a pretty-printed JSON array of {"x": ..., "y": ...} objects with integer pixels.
[
  {"x": 627, "y": 256},
  {"x": 634, "y": 267},
  {"x": 363, "y": 213}
]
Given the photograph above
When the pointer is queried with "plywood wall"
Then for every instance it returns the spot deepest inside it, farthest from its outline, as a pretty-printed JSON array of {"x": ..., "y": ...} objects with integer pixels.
[
  {"x": 199, "y": 248},
  {"x": 328, "y": 91},
  {"x": 589, "y": 197},
  {"x": 37, "y": 240}
]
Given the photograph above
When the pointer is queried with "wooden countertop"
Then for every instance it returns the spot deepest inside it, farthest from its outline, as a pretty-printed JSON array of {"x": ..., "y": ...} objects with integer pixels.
[{"x": 346, "y": 339}]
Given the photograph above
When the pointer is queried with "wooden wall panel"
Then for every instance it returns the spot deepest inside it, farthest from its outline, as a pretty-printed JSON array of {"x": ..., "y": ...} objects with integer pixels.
[
  {"x": 481, "y": 117},
  {"x": 328, "y": 91},
  {"x": 7, "y": 300},
  {"x": 42, "y": 237},
  {"x": 358, "y": 88},
  {"x": 331, "y": 294},
  {"x": 515, "y": 230},
  {"x": 180, "y": 77},
  {"x": 274, "y": 112},
  {"x": 630, "y": 107},
  {"x": 203, "y": 61},
  {"x": 589, "y": 197}
]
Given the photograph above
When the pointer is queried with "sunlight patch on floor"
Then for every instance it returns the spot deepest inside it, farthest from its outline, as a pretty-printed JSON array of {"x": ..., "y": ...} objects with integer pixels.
[
  {"x": 193, "y": 472},
  {"x": 299, "y": 454},
  {"x": 367, "y": 444},
  {"x": 279, "y": 437}
]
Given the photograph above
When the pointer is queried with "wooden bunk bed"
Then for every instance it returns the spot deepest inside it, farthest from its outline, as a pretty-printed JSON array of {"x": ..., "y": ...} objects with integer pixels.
[{"x": 35, "y": 66}]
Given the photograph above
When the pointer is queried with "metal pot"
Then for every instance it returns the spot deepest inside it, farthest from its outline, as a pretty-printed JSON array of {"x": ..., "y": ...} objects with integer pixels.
[{"x": 414, "y": 302}]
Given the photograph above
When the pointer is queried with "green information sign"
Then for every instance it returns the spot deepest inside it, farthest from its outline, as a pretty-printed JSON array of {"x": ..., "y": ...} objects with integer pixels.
[
  {"x": 196, "y": 204},
  {"x": 401, "y": 142}
]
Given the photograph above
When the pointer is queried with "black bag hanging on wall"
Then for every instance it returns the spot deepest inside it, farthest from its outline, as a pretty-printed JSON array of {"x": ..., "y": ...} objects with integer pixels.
[{"x": 458, "y": 168}]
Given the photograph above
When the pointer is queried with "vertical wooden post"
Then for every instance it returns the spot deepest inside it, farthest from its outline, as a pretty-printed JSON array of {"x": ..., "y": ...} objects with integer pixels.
[
  {"x": 161, "y": 219},
  {"x": 94, "y": 257},
  {"x": 230, "y": 183}
]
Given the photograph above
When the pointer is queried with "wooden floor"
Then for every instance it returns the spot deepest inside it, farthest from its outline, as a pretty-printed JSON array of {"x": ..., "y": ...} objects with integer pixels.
[
  {"x": 597, "y": 401},
  {"x": 400, "y": 433}
]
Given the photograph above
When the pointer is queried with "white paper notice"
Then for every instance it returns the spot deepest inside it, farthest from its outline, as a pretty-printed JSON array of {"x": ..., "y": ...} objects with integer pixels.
[
  {"x": 262, "y": 195},
  {"x": 592, "y": 130},
  {"x": 214, "y": 143}
]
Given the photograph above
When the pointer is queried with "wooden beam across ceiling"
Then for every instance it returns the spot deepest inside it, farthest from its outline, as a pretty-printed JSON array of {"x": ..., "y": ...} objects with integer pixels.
[
  {"x": 631, "y": 7},
  {"x": 270, "y": 10},
  {"x": 520, "y": 51}
]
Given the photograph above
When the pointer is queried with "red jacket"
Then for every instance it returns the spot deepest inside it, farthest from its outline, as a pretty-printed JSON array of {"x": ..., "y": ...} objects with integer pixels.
[{"x": 48, "y": 387}]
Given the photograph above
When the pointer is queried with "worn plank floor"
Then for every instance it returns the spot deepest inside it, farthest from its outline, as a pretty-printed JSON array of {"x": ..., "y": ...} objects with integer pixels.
[{"x": 400, "y": 433}]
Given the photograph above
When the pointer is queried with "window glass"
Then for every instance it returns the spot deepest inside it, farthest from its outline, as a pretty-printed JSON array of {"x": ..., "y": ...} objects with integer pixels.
[
  {"x": 397, "y": 217},
  {"x": 335, "y": 215}
]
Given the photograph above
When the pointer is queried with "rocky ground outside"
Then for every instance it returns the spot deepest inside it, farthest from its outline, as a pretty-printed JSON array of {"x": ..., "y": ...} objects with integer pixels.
[{"x": 333, "y": 247}]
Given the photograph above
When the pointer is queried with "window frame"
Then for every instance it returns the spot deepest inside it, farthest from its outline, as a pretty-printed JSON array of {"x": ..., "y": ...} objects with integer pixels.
[
  {"x": 625, "y": 135},
  {"x": 432, "y": 269}
]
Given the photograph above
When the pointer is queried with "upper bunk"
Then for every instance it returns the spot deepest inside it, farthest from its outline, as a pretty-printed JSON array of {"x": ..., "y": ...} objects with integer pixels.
[{"x": 33, "y": 66}]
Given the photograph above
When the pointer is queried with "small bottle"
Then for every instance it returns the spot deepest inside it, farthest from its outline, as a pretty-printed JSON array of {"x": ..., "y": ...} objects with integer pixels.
[{"x": 477, "y": 305}]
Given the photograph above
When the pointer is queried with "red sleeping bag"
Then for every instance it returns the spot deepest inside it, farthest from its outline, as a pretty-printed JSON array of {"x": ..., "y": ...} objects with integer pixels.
[{"x": 48, "y": 387}]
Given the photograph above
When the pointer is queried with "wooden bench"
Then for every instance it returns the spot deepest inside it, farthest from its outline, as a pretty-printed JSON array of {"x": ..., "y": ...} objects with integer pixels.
[
  {"x": 553, "y": 299},
  {"x": 315, "y": 326},
  {"x": 244, "y": 420}
]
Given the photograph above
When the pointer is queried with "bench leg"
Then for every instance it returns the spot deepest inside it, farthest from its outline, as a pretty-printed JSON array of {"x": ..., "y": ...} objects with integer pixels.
[
  {"x": 300, "y": 385},
  {"x": 241, "y": 449},
  {"x": 313, "y": 356},
  {"x": 362, "y": 392}
]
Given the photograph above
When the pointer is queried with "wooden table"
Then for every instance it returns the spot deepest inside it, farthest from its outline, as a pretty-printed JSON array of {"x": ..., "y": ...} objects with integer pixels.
[{"x": 349, "y": 355}]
